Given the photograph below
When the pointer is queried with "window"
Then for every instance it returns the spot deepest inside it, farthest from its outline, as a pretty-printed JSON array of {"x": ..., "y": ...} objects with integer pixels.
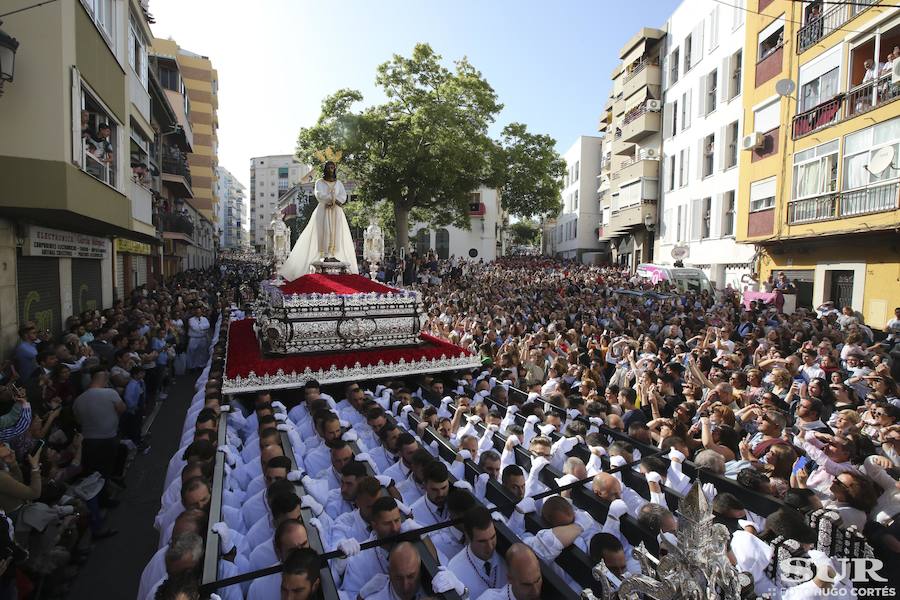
[
  {"x": 575, "y": 204},
  {"x": 168, "y": 78},
  {"x": 712, "y": 81},
  {"x": 687, "y": 53},
  {"x": 705, "y": 218},
  {"x": 735, "y": 66},
  {"x": 859, "y": 148},
  {"x": 684, "y": 157},
  {"x": 577, "y": 169},
  {"x": 674, "y": 116},
  {"x": 728, "y": 209},
  {"x": 731, "y": 145},
  {"x": 709, "y": 152},
  {"x": 670, "y": 173},
  {"x": 99, "y": 154},
  {"x": 679, "y": 231},
  {"x": 137, "y": 51},
  {"x": 767, "y": 118},
  {"x": 673, "y": 66},
  {"x": 737, "y": 15},
  {"x": 102, "y": 12},
  {"x": 770, "y": 39},
  {"x": 762, "y": 194},
  {"x": 815, "y": 171},
  {"x": 685, "y": 110},
  {"x": 819, "y": 90}
]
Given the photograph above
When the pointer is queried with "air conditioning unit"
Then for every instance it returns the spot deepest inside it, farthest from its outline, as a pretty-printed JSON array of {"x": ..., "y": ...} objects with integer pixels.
[
  {"x": 648, "y": 154},
  {"x": 654, "y": 105},
  {"x": 752, "y": 141}
]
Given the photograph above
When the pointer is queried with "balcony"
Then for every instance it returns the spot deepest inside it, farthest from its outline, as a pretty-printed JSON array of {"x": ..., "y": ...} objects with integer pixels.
[
  {"x": 864, "y": 201},
  {"x": 176, "y": 173},
  {"x": 769, "y": 66},
  {"x": 645, "y": 72},
  {"x": 631, "y": 217},
  {"x": 826, "y": 24},
  {"x": 639, "y": 123},
  {"x": 871, "y": 95},
  {"x": 636, "y": 169},
  {"x": 817, "y": 117},
  {"x": 141, "y": 203},
  {"x": 177, "y": 226}
]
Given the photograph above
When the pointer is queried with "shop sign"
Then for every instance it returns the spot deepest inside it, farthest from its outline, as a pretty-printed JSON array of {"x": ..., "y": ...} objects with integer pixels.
[
  {"x": 132, "y": 247},
  {"x": 41, "y": 241}
]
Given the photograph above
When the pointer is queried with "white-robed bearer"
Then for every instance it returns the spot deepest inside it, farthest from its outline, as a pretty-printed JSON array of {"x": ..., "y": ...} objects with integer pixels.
[
  {"x": 198, "y": 340},
  {"x": 327, "y": 235},
  {"x": 524, "y": 574},
  {"x": 477, "y": 565},
  {"x": 289, "y": 536}
]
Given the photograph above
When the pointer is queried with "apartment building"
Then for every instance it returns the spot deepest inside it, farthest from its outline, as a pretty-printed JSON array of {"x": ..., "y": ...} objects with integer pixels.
[
  {"x": 702, "y": 77},
  {"x": 200, "y": 83},
  {"x": 270, "y": 178},
  {"x": 232, "y": 211},
  {"x": 77, "y": 142},
  {"x": 484, "y": 240},
  {"x": 819, "y": 179},
  {"x": 628, "y": 187},
  {"x": 575, "y": 231}
]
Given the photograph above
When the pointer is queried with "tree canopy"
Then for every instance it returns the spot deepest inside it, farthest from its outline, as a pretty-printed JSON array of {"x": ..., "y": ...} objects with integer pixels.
[{"x": 427, "y": 148}]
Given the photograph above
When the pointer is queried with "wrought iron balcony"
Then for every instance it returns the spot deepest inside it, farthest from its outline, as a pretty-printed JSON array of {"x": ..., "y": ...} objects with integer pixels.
[
  {"x": 835, "y": 205},
  {"x": 817, "y": 117},
  {"x": 828, "y": 23},
  {"x": 871, "y": 95}
]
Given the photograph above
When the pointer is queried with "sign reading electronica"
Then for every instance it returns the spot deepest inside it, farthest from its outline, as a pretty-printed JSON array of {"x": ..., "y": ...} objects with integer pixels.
[{"x": 41, "y": 241}]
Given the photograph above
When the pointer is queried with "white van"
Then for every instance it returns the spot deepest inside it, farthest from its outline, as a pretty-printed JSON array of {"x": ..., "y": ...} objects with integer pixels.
[{"x": 685, "y": 279}]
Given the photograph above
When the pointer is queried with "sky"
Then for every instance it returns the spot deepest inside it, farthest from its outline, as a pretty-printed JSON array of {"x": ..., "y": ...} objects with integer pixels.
[{"x": 549, "y": 61}]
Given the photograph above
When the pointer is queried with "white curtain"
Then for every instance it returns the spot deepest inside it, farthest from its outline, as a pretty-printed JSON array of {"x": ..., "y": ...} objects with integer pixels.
[
  {"x": 855, "y": 174},
  {"x": 809, "y": 179}
]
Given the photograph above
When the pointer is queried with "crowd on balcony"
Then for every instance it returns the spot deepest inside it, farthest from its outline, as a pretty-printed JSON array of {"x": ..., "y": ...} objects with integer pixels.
[
  {"x": 95, "y": 137},
  {"x": 802, "y": 408},
  {"x": 73, "y": 407}
]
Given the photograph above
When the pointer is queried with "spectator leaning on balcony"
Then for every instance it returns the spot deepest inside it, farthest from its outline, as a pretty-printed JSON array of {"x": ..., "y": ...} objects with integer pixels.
[{"x": 104, "y": 146}]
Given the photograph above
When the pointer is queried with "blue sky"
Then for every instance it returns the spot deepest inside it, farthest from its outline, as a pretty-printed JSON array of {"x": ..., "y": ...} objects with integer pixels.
[{"x": 549, "y": 61}]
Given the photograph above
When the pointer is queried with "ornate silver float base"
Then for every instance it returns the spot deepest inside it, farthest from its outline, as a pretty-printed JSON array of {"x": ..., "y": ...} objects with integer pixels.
[{"x": 331, "y": 267}]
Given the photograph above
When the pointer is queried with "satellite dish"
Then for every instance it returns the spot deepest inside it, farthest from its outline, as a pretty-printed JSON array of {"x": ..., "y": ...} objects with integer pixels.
[
  {"x": 785, "y": 87},
  {"x": 881, "y": 160}
]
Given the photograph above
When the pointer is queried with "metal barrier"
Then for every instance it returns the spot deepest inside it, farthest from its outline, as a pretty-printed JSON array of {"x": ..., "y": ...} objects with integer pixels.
[{"x": 211, "y": 553}]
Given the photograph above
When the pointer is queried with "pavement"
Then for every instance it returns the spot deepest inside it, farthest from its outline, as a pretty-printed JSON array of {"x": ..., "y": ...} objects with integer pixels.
[{"x": 113, "y": 570}]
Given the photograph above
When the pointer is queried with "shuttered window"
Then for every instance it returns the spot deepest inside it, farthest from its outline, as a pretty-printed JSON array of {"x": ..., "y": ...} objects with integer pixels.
[
  {"x": 87, "y": 288},
  {"x": 38, "y": 291}
]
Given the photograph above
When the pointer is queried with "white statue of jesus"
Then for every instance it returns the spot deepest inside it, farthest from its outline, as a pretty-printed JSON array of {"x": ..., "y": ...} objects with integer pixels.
[{"x": 327, "y": 235}]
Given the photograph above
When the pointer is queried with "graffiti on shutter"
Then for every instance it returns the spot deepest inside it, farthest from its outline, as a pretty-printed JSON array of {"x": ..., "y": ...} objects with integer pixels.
[{"x": 37, "y": 279}]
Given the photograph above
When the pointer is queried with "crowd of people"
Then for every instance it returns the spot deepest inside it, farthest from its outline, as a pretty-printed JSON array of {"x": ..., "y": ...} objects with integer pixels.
[{"x": 799, "y": 408}]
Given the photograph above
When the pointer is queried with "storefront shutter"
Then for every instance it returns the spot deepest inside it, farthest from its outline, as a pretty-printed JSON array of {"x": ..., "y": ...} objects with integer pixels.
[
  {"x": 120, "y": 276},
  {"x": 139, "y": 263},
  {"x": 37, "y": 280},
  {"x": 87, "y": 285}
]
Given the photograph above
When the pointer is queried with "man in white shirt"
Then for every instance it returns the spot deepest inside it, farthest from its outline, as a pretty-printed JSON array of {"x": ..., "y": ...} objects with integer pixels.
[
  {"x": 524, "y": 574},
  {"x": 810, "y": 369},
  {"x": 355, "y": 524},
  {"x": 341, "y": 499},
  {"x": 290, "y": 535},
  {"x": 478, "y": 565},
  {"x": 300, "y": 576},
  {"x": 431, "y": 508},
  {"x": 341, "y": 456},
  {"x": 404, "y": 581}
]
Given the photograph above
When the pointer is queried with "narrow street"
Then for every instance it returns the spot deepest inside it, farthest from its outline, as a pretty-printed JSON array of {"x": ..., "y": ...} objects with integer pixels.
[{"x": 114, "y": 568}]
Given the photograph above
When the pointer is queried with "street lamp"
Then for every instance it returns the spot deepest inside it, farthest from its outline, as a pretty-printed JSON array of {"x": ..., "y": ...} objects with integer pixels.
[
  {"x": 648, "y": 222},
  {"x": 8, "y": 47}
]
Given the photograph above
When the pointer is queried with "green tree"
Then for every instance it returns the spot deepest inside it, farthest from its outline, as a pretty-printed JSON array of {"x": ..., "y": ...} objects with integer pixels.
[
  {"x": 427, "y": 148},
  {"x": 525, "y": 233},
  {"x": 527, "y": 172}
]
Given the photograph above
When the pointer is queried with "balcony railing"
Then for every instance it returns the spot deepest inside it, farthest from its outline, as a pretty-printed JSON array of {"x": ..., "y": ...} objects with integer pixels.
[
  {"x": 831, "y": 21},
  {"x": 634, "y": 113},
  {"x": 870, "y": 95},
  {"x": 817, "y": 117},
  {"x": 178, "y": 223},
  {"x": 176, "y": 164},
  {"x": 833, "y": 205},
  {"x": 640, "y": 66}
]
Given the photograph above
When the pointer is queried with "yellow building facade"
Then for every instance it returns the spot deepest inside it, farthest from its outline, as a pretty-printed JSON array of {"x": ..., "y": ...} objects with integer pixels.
[
  {"x": 201, "y": 84},
  {"x": 819, "y": 183}
]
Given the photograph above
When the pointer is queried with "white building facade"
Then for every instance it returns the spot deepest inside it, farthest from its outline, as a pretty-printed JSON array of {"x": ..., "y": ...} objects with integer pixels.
[
  {"x": 485, "y": 240},
  {"x": 270, "y": 177},
  {"x": 231, "y": 211},
  {"x": 701, "y": 128},
  {"x": 575, "y": 233}
]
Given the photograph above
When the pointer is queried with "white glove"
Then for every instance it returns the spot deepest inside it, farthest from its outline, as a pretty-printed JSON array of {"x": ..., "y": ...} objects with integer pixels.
[
  {"x": 349, "y": 546},
  {"x": 465, "y": 454},
  {"x": 537, "y": 464},
  {"x": 654, "y": 477},
  {"x": 617, "y": 461},
  {"x": 226, "y": 544},
  {"x": 463, "y": 485},
  {"x": 407, "y": 408},
  {"x": 307, "y": 501},
  {"x": 483, "y": 478},
  {"x": 434, "y": 447},
  {"x": 546, "y": 430},
  {"x": 344, "y": 424},
  {"x": 229, "y": 456},
  {"x": 446, "y": 400},
  {"x": 350, "y": 436},
  {"x": 493, "y": 381},
  {"x": 596, "y": 421},
  {"x": 378, "y": 389},
  {"x": 283, "y": 427},
  {"x": 492, "y": 428},
  {"x": 280, "y": 417},
  {"x": 315, "y": 522},
  {"x": 364, "y": 456},
  {"x": 278, "y": 406},
  {"x": 368, "y": 394},
  {"x": 617, "y": 509},
  {"x": 404, "y": 509},
  {"x": 532, "y": 419},
  {"x": 566, "y": 480},
  {"x": 511, "y": 410},
  {"x": 675, "y": 455},
  {"x": 295, "y": 476},
  {"x": 225, "y": 408},
  {"x": 565, "y": 445},
  {"x": 474, "y": 419},
  {"x": 710, "y": 491},
  {"x": 584, "y": 520},
  {"x": 384, "y": 480},
  {"x": 215, "y": 597},
  {"x": 514, "y": 440},
  {"x": 444, "y": 581},
  {"x": 573, "y": 413},
  {"x": 526, "y": 505}
]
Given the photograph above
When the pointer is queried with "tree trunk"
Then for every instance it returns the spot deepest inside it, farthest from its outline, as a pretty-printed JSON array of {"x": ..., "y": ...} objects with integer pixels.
[{"x": 401, "y": 223}]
